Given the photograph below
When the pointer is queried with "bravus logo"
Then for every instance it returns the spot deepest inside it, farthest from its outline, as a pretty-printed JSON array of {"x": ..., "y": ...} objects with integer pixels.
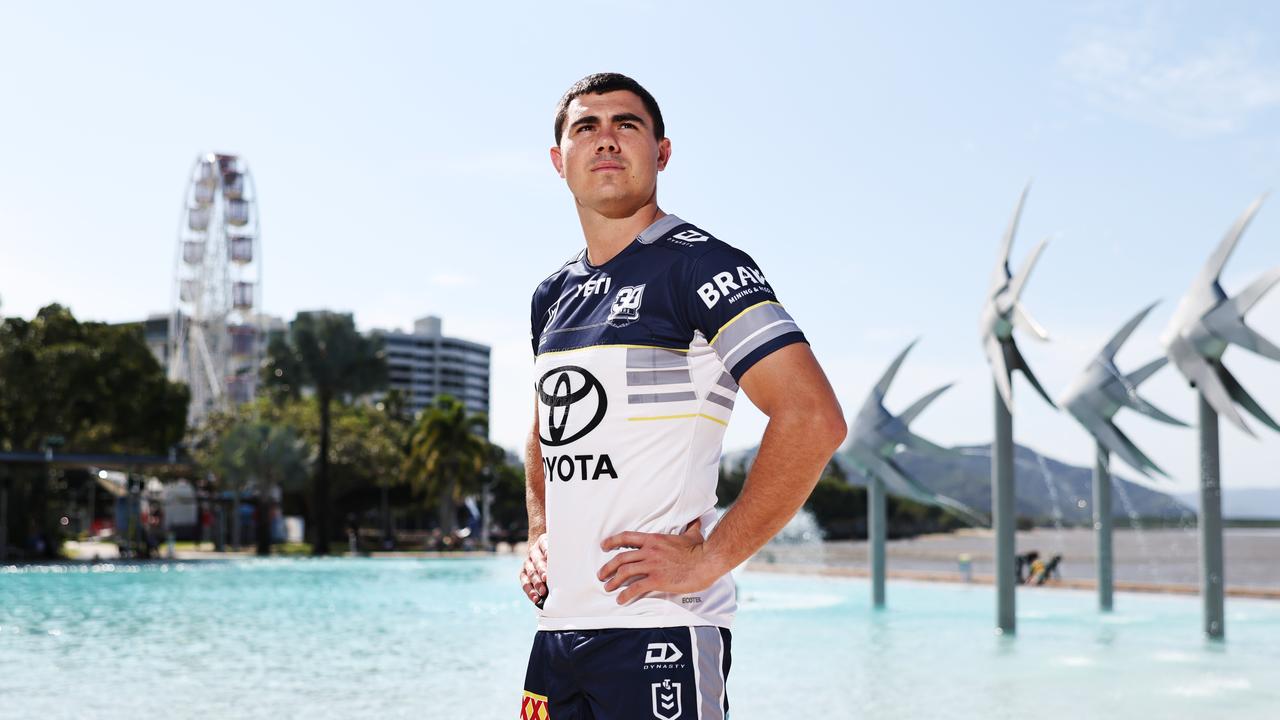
[
  {"x": 575, "y": 402},
  {"x": 733, "y": 285}
]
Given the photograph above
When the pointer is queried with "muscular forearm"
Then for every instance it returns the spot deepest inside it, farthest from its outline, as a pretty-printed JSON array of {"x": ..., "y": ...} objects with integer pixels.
[
  {"x": 535, "y": 487},
  {"x": 792, "y": 454}
]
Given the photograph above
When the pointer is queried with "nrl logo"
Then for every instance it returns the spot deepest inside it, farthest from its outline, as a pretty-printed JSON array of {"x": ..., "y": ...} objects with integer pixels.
[
  {"x": 626, "y": 306},
  {"x": 666, "y": 700}
]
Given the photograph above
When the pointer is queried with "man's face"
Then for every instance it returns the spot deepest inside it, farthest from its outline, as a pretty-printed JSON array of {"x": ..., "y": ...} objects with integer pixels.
[{"x": 608, "y": 154}]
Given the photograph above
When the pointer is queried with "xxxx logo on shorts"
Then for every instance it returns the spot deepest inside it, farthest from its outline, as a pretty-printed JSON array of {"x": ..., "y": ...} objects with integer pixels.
[{"x": 533, "y": 707}]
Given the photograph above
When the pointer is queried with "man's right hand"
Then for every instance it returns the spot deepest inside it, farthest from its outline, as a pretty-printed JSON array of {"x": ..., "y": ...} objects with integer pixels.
[{"x": 533, "y": 576}]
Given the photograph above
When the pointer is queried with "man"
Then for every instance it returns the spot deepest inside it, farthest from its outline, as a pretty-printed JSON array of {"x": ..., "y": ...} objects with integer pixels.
[{"x": 641, "y": 342}]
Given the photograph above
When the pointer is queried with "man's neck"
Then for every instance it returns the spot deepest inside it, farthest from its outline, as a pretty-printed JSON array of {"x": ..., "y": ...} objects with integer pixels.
[{"x": 606, "y": 236}]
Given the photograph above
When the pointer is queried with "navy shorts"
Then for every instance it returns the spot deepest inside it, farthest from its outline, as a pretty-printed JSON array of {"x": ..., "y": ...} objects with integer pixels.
[{"x": 674, "y": 673}]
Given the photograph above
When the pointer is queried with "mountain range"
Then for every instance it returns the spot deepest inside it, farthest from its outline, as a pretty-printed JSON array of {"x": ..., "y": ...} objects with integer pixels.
[{"x": 1048, "y": 491}]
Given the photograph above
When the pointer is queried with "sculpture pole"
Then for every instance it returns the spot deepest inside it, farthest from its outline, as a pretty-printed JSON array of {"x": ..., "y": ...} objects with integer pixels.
[
  {"x": 1211, "y": 562},
  {"x": 877, "y": 518},
  {"x": 1205, "y": 324},
  {"x": 1002, "y": 517},
  {"x": 4, "y": 518},
  {"x": 876, "y": 436},
  {"x": 1094, "y": 399},
  {"x": 1102, "y": 525},
  {"x": 1000, "y": 315}
]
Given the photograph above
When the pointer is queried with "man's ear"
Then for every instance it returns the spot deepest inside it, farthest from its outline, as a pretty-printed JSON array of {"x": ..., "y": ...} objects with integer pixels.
[
  {"x": 664, "y": 153},
  {"x": 557, "y": 159}
]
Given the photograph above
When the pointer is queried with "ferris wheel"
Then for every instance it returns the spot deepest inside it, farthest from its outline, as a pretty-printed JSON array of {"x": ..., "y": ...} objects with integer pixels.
[{"x": 215, "y": 335}]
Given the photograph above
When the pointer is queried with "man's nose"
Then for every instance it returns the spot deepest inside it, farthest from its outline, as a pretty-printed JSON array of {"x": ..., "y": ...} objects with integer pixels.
[{"x": 606, "y": 142}]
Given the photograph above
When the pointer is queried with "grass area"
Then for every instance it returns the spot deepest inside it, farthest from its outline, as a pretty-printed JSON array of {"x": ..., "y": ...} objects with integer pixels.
[{"x": 285, "y": 549}]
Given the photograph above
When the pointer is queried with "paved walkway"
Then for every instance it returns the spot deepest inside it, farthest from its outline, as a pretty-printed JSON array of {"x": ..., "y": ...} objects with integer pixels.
[{"x": 1158, "y": 559}]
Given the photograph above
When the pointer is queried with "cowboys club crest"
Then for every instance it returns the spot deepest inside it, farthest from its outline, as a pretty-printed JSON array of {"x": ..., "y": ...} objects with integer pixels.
[
  {"x": 626, "y": 306},
  {"x": 666, "y": 700}
]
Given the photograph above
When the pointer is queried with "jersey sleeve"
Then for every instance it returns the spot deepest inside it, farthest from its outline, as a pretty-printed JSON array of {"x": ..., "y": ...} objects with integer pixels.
[
  {"x": 735, "y": 308},
  {"x": 539, "y": 315},
  {"x": 534, "y": 329}
]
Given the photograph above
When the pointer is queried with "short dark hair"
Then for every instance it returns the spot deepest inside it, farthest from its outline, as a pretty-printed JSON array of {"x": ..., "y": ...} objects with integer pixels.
[{"x": 600, "y": 83}]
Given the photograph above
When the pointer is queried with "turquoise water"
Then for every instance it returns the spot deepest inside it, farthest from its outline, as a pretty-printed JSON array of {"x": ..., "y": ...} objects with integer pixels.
[{"x": 449, "y": 639}]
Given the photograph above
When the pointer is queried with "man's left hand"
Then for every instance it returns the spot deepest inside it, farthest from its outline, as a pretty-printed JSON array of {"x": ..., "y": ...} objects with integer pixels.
[{"x": 659, "y": 563}]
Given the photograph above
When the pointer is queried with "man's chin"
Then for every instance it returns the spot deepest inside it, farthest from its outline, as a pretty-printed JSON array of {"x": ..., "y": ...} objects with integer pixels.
[{"x": 615, "y": 207}]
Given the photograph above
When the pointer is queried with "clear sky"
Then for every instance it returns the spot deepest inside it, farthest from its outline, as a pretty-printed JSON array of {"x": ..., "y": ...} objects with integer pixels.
[{"x": 867, "y": 155}]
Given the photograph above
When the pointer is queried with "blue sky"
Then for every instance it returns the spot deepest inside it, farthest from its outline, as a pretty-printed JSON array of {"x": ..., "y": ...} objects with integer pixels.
[{"x": 866, "y": 154}]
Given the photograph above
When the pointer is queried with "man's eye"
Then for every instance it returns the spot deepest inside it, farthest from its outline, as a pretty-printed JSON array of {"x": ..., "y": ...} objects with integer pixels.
[
  {"x": 582, "y": 128},
  {"x": 627, "y": 125}
]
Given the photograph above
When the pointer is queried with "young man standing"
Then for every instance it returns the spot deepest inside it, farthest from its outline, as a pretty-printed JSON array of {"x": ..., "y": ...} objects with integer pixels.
[{"x": 642, "y": 342}]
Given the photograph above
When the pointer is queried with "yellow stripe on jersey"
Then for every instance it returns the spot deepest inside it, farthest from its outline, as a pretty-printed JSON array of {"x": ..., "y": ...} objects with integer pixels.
[
  {"x": 596, "y": 347},
  {"x": 681, "y": 417},
  {"x": 735, "y": 318}
]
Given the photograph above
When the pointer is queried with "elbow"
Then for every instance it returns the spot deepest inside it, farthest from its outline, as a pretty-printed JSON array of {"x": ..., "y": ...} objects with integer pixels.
[
  {"x": 826, "y": 425},
  {"x": 832, "y": 427}
]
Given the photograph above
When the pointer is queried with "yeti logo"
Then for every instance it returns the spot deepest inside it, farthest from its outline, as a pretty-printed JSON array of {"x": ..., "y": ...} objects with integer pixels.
[{"x": 626, "y": 306}]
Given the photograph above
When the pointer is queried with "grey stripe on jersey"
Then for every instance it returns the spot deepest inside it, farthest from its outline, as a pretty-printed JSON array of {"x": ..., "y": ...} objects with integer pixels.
[
  {"x": 726, "y": 381},
  {"x": 720, "y": 400},
  {"x": 645, "y": 358},
  {"x": 659, "y": 377},
  {"x": 708, "y": 651},
  {"x": 659, "y": 228},
  {"x": 750, "y": 330},
  {"x": 662, "y": 397}
]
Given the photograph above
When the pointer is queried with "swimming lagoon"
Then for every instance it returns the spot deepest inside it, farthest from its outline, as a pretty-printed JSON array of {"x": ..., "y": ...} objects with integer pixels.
[{"x": 449, "y": 638}]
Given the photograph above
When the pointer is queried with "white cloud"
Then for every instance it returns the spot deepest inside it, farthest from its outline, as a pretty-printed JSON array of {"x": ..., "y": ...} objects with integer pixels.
[{"x": 1144, "y": 74}]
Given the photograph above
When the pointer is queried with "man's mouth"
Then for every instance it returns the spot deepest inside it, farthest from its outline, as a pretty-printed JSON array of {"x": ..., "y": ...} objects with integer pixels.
[{"x": 606, "y": 166}]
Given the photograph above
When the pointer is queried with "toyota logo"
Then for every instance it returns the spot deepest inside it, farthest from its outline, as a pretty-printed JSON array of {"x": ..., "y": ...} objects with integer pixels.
[{"x": 570, "y": 392}]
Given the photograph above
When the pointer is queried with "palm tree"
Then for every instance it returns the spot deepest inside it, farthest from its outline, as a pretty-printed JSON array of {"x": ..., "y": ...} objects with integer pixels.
[
  {"x": 396, "y": 411},
  {"x": 264, "y": 457},
  {"x": 447, "y": 451},
  {"x": 324, "y": 352}
]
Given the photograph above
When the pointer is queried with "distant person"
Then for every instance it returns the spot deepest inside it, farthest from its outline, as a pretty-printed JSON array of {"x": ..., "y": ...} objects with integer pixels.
[
  {"x": 1045, "y": 571},
  {"x": 1023, "y": 562},
  {"x": 641, "y": 341}
]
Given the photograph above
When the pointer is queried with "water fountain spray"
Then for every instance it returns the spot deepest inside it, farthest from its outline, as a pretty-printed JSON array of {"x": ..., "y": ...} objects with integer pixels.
[
  {"x": 1095, "y": 397},
  {"x": 1000, "y": 315},
  {"x": 875, "y": 438},
  {"x": 1205, "y": 323}
]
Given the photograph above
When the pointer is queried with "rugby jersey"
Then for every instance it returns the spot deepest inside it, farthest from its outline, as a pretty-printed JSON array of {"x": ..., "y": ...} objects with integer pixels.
[{"x": 636, "y": 370}]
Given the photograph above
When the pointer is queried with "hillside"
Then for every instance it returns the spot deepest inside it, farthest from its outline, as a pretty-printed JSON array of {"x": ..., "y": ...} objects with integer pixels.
[{"x": 1045, "y": 488}]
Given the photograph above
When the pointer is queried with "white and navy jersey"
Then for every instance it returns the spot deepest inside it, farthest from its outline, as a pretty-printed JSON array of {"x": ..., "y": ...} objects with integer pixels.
[{"x": 637, "y": 363}]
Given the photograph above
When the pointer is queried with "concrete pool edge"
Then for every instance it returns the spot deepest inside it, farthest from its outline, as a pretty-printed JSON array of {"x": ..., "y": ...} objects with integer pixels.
[{"x": 958, "y": 579}]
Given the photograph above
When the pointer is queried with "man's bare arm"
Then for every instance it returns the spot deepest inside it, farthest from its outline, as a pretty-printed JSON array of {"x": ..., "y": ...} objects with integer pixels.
[
  {"x": 805, "y": 428},
  {"x": 533, "y": 574}
]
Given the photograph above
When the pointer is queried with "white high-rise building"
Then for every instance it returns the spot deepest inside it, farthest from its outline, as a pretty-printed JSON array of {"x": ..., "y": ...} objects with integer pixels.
[{"x": 425, "y": 364}]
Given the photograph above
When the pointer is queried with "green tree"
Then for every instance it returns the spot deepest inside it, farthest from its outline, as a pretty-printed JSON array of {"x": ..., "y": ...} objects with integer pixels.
[
  {"x": 324, "y": 352},
  {"x": 508, "y": 509},
  {"x": 256, "y": 455},
  {"x": 447, "y": 451},
  {"x": 396, "y": 421},
  {"x": 94, "y": 387}
]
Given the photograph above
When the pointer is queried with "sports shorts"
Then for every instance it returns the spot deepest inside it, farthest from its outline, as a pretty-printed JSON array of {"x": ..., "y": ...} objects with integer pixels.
[{"x": 674, "y": 673}]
